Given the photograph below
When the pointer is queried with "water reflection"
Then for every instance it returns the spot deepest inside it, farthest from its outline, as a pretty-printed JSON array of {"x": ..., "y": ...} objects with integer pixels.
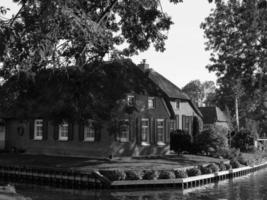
[{"x": 250, "y": 187}]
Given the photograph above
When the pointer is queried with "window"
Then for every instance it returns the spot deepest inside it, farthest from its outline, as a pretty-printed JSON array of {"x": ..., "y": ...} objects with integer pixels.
[
  {"x": 151, "y": 102},
  {"x": 63, "y": 131},
  {"x": 160, "y": 131},
  {"x": 145, "y": 131},
  {"x": 38, "y": 129},
  {"x": 186, "y": 123},
  {"x": 124, "y": 131},
  {"x": 177, "y": 104},
  {"x": 130, "y": 100},
  {"x": 172, "y": 125},
  {"x": 89, "y": 131}
]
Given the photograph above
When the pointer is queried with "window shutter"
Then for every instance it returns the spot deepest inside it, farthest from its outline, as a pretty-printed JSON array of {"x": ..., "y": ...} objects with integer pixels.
[
  {"x": 97, "y": 133},
  {"x": 167, "y": 131},
  {"x": 70, "y": 131},
  {"x": 151, "y": 130},
  {"x": 177, "y": 122},
  {"x": 56, "y": 131},
  {"x": 45, "y": 129},
  {"x": 131, "y": 130},
  {"x": 31, "y": 129},
  {"x": 183, "y": 122},
  {"x": 81, "y": 131},
  {"x": 156, "y": 132},
  {"x": 138, "y": 131}
]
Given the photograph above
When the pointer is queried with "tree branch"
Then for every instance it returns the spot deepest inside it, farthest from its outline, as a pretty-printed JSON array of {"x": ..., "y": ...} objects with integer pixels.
[{"x": 16, "y": 16}]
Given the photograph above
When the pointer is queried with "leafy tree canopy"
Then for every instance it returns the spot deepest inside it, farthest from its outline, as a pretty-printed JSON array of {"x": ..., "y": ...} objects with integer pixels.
[
  {"x": 56, "y": 33},
  {"x": 97, "y": 93},
  {"x": 236, "y": 35}
]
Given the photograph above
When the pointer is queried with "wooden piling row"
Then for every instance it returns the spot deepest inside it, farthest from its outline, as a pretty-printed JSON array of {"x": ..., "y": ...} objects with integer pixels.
[{"x": 53, "y": 177}]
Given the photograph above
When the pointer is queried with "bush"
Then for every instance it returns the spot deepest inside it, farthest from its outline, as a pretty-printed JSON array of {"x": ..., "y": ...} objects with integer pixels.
[
  {"x": 180, "y": 141},
  {"x": 150, "y": 175},
  {"x": 242, "y": 160},
  {"x": 166, "y": 175},
  {"x": 210, "y": 141},
  {"x": 228, "y": 166},
  {"x": 180, "y": 174},
  {"x": 235, "y": 164},
  {"x": 193, "y": 172},
  {"x": 222, "y": 166},
  {"x": 205, "y": 170},
  {"x": 113, "y": 175},
  {"x": 243, "y": 140},
  {"x": 214, "y": 168},
  {"x": 133, "y": 175}
]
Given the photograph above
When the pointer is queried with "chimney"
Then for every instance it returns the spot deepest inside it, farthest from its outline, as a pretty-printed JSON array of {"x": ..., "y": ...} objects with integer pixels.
[{"x": 143, "y": 65}]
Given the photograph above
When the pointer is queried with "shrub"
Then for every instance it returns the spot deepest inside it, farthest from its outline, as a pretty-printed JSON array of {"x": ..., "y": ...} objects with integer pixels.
[
  {"x": 166, "y": 175},
  {"x": 228, "y": 166},
  {"x": 113, "y": 175},
  {"x": 243, "y": 140},
  {"x": 180, "y": 174},
  {"x": 235, "y": 164},
  {"x": 242, "y": 160},
  {"x": 210, "y": 141},
  {"x": 205, "y": 170},
  {"x": 133, "y": 175},
  {"x": 222, "y": 166},
  {"x": 150, "y": 175},
  {"x": 180, "y": 141},
  {"x": 193, "y": 172},
  {"x": 214, "y": 168}
]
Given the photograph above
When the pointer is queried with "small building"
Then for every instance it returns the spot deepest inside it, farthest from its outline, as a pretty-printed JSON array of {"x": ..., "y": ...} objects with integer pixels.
[
  {"x": 143, "y": 131},
  {"x": 214, "y": 116}
]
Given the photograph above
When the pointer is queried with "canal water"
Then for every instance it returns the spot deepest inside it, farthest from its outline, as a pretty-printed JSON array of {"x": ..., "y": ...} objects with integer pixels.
[{"x": 249, "y": 187}]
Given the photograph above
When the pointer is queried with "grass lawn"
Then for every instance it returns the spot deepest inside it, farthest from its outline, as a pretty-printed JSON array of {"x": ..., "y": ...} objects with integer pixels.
[{"x": 89, "y": 164}]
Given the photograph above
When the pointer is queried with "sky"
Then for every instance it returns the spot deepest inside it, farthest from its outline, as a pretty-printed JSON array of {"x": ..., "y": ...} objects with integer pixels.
[{"x": 185, "y": 58}]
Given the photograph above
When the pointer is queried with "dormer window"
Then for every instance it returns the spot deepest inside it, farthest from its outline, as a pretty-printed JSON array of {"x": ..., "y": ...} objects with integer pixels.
[
  {"x": 177, "y": 104},
  {"x": 151, "y": 103},
  {"x": 130, "y": 100}
]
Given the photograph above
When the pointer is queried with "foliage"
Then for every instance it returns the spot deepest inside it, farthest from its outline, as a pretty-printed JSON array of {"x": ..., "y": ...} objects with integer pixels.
[
  {"x": 133, "y": 175},
  {"x": 228, "y": 166},
  {"x": 214, "y": 167},
  {"x": 195, "y": 127},
  {"x": 76, "y": 32},
  {"x": 180, "y": 174},
  {"x": 243, "y": 140},
  {"x": 73, "y": 94},
  {"x": 198, "y": 91},
  {"x": 234, "y": 163},
  {"x": 205, "y": 170},
  {"x": 210, "y": 141},
  {"x": 150, "y": 175},
  {"x": 193, "y": 172},
  {"x": 222, "y": 166},
  {"x": 180, "y": 141},
  {"x": 164, "y": 174},
  {"x": 113, "y": 175},
  {"x": 235, "y": 32}
]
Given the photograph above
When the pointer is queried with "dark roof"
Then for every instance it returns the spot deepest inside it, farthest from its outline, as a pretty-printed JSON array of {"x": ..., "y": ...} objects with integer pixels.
[
  {"x": 171, "y": 90},
  {"x": 168, "y": 87},
  {"x": 212, "y": 115}
]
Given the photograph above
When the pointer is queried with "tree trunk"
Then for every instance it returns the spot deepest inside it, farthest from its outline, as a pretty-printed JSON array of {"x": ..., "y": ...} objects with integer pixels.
[{"x": 236, "y": 113}]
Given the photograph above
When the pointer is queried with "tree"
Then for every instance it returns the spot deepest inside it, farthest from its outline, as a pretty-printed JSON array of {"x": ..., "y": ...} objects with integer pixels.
[
  {"x": 236, "y": 35},
  {"x": 198, "y": 91},
  {"x": 62, "y": 33}
]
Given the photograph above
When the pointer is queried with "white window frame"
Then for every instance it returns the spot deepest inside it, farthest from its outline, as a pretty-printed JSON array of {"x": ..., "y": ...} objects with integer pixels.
[
  {"x": 145, "y": 131},
  {"x": 151, "y": 103},
  {"x": 124, "y": 135},
  {"x": 160, "y": 125},
  {"x": 38, "y": 129},
  {"x": 63, "y": 128},
  {"x": 130, "y": 100},
  {"x": 89, "y": 131}
]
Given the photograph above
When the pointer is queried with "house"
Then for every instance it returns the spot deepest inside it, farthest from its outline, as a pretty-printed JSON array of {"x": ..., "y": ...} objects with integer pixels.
[
  {"x": 214, "y": 116},
  {"x": 141, "y": 125}
]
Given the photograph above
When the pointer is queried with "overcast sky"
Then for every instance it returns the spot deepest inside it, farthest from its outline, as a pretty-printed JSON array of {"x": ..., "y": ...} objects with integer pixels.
[{"x": 185, "y": 58}]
